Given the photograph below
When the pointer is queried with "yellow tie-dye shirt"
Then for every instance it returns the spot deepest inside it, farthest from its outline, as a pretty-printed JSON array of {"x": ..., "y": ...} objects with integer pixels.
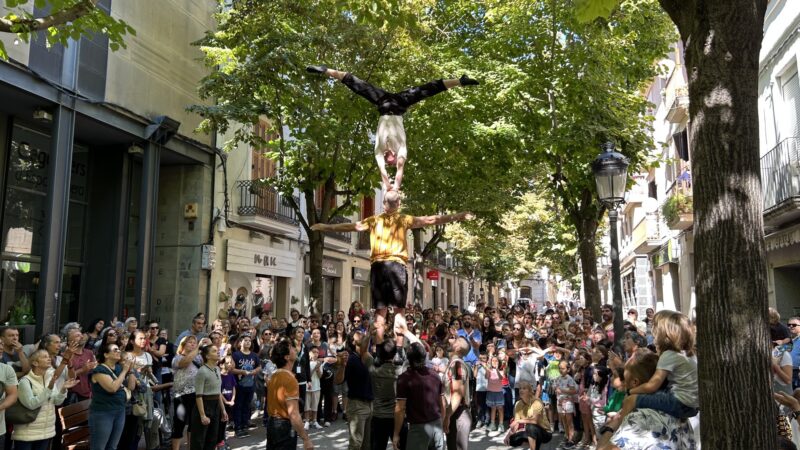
[{"x": 387, "y": 236}]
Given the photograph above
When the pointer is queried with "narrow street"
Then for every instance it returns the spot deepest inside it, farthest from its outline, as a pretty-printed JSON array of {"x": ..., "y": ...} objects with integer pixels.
[{"x": 335, "y": 437}]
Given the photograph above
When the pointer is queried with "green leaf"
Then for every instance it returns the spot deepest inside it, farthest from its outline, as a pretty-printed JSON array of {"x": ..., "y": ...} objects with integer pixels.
[{"x": 589, "y": 10}]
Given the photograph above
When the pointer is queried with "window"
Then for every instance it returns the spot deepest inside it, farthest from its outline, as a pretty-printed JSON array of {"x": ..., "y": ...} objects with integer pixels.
[
  {"x": 790, "y": 89},
  {"x": 262, "y": 167},
  {"x": 23, "y": 231}
]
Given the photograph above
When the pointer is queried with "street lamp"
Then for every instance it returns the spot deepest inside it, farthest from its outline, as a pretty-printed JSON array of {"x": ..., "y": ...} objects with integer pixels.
[{"x": 611, "y": 175}]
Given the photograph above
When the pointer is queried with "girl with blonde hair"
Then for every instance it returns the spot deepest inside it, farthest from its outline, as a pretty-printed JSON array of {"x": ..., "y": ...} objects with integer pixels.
[{"x": 674, "y": 339}]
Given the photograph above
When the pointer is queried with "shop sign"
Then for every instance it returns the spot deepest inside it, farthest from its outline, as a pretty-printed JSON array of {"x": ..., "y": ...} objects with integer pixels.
[
  {"x": 360, "y": 275},
  {"x": 260, "y": 259},
  {"x": 332, "y": 268},
  {"x": 432, "y": 275}
]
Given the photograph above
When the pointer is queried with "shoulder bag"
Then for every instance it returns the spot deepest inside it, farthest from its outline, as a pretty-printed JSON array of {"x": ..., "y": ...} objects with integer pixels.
[{"x": 19, "y": 414}]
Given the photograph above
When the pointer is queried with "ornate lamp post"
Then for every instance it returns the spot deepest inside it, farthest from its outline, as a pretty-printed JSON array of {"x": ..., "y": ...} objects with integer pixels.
[{"x": 611, "y": 175}]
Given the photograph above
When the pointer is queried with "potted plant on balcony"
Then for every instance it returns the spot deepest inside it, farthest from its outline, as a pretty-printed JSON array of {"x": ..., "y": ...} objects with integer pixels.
[{"x": 678, "y": 211}]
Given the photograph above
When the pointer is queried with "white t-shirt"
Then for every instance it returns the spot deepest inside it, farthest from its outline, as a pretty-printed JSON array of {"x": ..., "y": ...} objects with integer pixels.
[
  {"x": 785, "y": 359},
  {"x": 526, "y": 371},
  {"x": 682, "y": 376},
  {"x": 314, "y": 376}
]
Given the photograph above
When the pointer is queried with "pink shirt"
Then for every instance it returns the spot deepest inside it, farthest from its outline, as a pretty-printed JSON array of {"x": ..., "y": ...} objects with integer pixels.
[{"x": 495, "y": 379}]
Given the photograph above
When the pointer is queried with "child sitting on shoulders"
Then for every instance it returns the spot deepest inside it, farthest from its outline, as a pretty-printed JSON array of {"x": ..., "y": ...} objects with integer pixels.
[{"x": 674, "y": 340}]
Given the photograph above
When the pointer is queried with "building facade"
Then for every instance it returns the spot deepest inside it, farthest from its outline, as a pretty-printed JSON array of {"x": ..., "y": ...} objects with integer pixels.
[
  {"x": 779, "y": 115},
  {"x": 106, "y": 191},
  {"x": 656, "y": 221}
]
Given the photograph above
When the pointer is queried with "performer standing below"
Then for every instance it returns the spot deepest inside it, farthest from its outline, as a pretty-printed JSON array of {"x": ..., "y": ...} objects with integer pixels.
[
  {"x": 390, "y": 138},
  {"x": 389, "y": 253}
]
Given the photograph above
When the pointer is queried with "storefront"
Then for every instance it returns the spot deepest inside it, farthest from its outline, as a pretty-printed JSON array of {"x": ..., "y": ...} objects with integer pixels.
[
  {"x": 260, "y": 276},
  {"x": 360, "y": 290}
]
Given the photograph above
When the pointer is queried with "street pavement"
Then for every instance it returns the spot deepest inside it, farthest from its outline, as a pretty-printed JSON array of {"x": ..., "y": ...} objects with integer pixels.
[{"x": 335, "y": 437}]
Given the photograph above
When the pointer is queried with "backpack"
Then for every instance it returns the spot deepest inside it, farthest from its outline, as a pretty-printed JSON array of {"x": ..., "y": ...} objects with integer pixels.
[{"x": 467, "y": 400}]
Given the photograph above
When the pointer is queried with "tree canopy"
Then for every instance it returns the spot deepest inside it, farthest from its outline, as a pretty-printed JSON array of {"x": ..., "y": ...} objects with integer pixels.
[{"x": 65, "y": 20}]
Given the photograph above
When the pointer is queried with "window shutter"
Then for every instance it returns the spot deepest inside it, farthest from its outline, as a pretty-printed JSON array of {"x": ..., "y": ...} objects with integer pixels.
[{"x": 791, "y": 104}]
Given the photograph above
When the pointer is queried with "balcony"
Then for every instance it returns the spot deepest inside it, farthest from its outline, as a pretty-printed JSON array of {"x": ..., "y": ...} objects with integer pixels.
[
  {"x": 647, "y": 235},
  {"x": 343, "y": 237},
  {"x": 679, "y": 108},
  {"x": 263, "y": 207},
  {"x": 636, "y": 195},
  {"x": 676, "y": 96},
  {"x": 780, "y": 182},
  {"x": 678, "y": 209}
]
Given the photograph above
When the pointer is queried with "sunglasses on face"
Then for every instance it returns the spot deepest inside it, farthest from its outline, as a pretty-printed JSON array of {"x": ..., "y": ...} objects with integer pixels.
[{"x": 792, "y": 325}]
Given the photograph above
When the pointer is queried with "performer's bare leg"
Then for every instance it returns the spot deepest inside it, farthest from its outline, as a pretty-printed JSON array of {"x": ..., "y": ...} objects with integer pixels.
[{"x": 335, "y": 74}]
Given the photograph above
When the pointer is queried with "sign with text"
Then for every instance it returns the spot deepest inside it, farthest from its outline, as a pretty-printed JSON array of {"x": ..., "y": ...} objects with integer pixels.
[
  {"x": 432, "y": 275},
  {"x": 360, "y": 275},
  {"x": 260, "y": 259},
  {"x": 332, "y": 268}
]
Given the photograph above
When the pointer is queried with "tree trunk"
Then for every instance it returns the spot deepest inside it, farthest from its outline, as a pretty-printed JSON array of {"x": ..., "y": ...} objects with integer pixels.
[
  {"x": 723, "y": 40},
  {"x": 587, "y": 251},
  {"x": 316, "y": 245}
]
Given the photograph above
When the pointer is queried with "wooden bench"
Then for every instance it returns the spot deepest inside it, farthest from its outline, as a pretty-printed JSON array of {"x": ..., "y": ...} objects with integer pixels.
[{"x": 75, "y": 425}]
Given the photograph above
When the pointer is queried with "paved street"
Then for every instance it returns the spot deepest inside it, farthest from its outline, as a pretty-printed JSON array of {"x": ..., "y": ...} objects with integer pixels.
[{"x": 335, "y": 437}]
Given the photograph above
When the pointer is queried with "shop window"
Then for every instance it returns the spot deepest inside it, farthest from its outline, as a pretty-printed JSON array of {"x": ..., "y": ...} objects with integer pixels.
[{"x": 23, "y": 227}]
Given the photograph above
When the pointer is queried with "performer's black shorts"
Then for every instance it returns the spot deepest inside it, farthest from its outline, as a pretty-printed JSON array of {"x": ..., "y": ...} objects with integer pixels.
[{"x": 389, "y": 284}]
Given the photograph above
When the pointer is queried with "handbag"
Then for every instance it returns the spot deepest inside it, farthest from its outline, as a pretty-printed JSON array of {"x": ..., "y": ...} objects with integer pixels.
[{"x": 19, "y": 414}]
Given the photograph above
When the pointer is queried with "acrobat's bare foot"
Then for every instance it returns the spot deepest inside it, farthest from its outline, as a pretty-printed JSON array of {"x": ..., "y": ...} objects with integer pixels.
[
  {"x": 467, "y": 81},
  {"x": 317, "y": 69}
]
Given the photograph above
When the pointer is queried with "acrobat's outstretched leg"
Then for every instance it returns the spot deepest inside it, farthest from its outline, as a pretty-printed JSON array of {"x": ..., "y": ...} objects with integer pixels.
[
  {"x": 416, "y": 94},
  {"x": 368, "y": 91}
]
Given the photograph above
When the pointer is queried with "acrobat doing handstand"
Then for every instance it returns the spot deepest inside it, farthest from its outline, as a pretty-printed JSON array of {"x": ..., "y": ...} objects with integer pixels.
[{"x": 390, "y": 138}]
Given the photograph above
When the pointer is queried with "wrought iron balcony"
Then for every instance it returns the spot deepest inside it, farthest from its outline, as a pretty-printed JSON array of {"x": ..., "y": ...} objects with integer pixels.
[
  {"x": 258, "y": 199},
  {"x": 344, "y": 237},
  {"x": 780, "y": 182}
]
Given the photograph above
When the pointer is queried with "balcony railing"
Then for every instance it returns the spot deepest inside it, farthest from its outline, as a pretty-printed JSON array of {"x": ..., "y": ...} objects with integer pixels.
[
  {"x": 257, "y": 199},
  {"x": 780, "y": 173},
  {"x": 344, "y": 237},
  {"x": 647, "y": 234}
]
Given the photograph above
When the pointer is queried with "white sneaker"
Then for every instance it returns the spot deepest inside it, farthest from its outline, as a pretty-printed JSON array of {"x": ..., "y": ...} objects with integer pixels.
[
  {"x": 305, "y": 427},
  {"x": 326, "y": 424},
  {"x": 316, "y": 425}
]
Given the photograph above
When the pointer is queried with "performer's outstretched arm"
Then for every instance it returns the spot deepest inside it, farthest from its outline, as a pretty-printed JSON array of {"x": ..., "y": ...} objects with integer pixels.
[
  {"x": 425, "y": 221},
  {"x": 334, "y": 227},
  {"x": 398, "y": 177},
  {"x": 381, "y": 161}
]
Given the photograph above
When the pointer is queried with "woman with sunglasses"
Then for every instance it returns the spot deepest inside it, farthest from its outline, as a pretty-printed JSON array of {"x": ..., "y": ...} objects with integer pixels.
[
  {"x": 107, "y": 336},
  {"x": 107, "y": 409}
]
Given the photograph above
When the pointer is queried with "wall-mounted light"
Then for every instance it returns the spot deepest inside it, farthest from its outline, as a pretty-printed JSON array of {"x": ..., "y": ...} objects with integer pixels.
[{"x": 42, "y": 115}]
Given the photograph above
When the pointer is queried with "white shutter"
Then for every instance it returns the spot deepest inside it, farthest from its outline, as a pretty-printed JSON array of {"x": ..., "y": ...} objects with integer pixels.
[{"x": 791, "y": 107}]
